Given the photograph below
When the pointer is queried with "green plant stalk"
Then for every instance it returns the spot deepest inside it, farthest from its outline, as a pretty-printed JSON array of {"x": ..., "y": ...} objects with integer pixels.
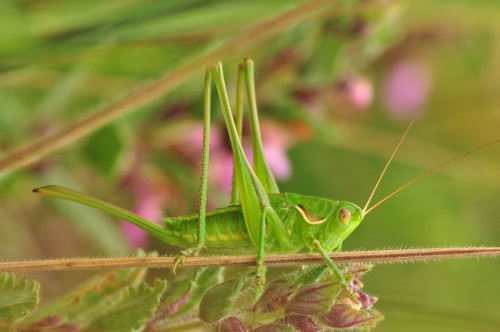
[{"x": 41, "y": 147}]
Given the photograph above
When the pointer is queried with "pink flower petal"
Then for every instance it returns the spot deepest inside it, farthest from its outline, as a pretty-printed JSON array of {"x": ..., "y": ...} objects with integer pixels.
[
  {"x": 406, "y": 89},
  {"x": 360, "y": 92}
]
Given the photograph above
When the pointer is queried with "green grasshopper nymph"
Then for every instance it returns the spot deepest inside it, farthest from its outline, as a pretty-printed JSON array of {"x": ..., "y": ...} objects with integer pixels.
[{"x": 261, "y": 219}]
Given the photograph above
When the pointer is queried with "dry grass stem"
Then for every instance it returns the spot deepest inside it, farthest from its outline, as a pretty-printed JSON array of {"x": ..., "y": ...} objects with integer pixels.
[
  {"x": 375, "y": 256},
  {"x": 40, "y": 147}
]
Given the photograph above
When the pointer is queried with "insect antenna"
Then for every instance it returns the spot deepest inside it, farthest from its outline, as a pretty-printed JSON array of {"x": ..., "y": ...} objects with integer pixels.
[
  {"x": 365, "y": 211},
  {"x": 430, "y": 171}
]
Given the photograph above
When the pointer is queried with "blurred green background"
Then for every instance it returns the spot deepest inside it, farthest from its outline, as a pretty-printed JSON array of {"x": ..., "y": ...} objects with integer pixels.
[{"x": 324, "y": 91}]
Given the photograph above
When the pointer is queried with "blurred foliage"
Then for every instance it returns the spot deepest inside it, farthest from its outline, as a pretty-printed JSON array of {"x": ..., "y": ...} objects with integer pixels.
[
  {"x": 309, "y": 299},
  {"x": 62, "y": 60},
  {"x": 18, "y": 297},
  {"x": 117, "y": 301}
]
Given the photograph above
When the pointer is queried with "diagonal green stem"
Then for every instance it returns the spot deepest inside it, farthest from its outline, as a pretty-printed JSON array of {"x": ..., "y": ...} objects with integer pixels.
[{"x": 41, "y": 147}]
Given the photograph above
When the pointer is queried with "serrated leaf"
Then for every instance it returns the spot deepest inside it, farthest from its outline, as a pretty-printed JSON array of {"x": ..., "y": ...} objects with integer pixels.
[
  {"x": 185, "y": 293},
  {"x": 275, "y": 295},
  {"x": 343, "y": 315},
  {"x": 128, "y": 310},
  {"x": 104, "y": 148},
  {"x": 17, "y": 298},
  {"x": 231, "y": 324},
  {"x": 314, "y": 299},
  {"x": 310, "y": 275},
  {"x": 218, "y": 301},
  {"x": 301, "y": 323},
  {"x": 72, "y": 306},
  {"x": 117, "y": 301},
  {"x": 275, "y": 328}
]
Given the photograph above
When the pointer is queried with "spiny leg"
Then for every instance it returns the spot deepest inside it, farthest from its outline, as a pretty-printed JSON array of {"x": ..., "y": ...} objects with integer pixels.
[
  {"x": 260, "y": 165},
  {"x": 334, "y": 268},
  {"x": 270, "y": 219},
  {"x": 241, "y": 84},
  {"x": 202, "y": 203},
  {"x": 205, "y": 159},
  {"x": 262, "y": 170},
  {"x": 252, "y": 194}
]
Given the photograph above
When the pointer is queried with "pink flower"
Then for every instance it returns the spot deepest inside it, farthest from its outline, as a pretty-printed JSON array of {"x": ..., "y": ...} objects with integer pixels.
[
  {"x": 220, "y": 170},
  {"x": 278, "y": 161},
  {"x": 277, "y": 139},
  {"x": 406, "y": 89},
  {"x": 148, "y": 200},
  {"x": 147, "y": 205},
  {"x": 359, "y": 92},
  {"x": 276, "y": 142}
]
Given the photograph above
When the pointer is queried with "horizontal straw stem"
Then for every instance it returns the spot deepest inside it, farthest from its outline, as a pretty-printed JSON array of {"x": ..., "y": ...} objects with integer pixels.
[{"x": 375, "y": 256}]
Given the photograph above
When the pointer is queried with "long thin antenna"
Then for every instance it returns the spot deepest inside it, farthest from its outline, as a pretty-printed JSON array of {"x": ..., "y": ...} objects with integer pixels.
[
  {"x": 388, "y": 163},
  {"x": 365, "y": 211},
  {"x": 433, "y": 170}
]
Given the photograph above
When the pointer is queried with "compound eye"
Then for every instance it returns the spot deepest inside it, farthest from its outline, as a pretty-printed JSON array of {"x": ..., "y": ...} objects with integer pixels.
[{"x": 344, "y": 216}]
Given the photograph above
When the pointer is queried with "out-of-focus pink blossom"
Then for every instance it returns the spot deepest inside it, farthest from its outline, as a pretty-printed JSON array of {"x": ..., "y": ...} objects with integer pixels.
[
  {"x": 406, "y": 89},
  {"x": 352, "y": 92},
  {"x": 220, "y": 171},
  {"x": 148, "y": 206},
  {"x": 359, "y": 91},
  {"x": 190, "y": 143},
  {"x": 276, "y": 158},
  {"x": 278, "y": 161},
  {"x": 276, "y": 142},
  {"x": 148, "y": 199}
]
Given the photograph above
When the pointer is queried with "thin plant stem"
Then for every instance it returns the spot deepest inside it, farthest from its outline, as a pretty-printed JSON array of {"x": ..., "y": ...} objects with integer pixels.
[
  {"x": 41, "y": 147},
  {"x": 375, "y": 256}
]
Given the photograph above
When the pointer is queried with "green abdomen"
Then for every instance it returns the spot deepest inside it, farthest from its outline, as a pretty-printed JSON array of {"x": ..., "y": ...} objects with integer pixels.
[{"x": 225, "y": 228}]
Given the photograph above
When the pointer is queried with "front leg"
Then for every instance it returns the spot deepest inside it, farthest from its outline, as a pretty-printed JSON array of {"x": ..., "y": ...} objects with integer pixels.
[
  {"x": 336, "y": 271},
  {"x": 189, "y": 252},
  {"x": 333, "y": 267}
]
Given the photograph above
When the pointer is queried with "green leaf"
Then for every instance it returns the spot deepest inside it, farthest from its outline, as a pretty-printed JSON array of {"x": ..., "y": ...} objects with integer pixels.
[
  {"x": 104, "y": 148},
  {"x": 184, "y": 293},
  {"x": 74, "y": 306},
  {"x": 219, "y": 300},
  {"x": 309, "y": 275},
  {"x": 17, "y": 298},
  {"x": 275, "y": 296},
  {"x": 314, "y": 299},
  {"x": 231, "y": 324},
  {"x": 128, "y": 310},
  {"x": 301, "y": 323},
  {"x": 344, "y": 316},
  {"x": 274, "y": 328},
  {"x": 117, "y": 301}
]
